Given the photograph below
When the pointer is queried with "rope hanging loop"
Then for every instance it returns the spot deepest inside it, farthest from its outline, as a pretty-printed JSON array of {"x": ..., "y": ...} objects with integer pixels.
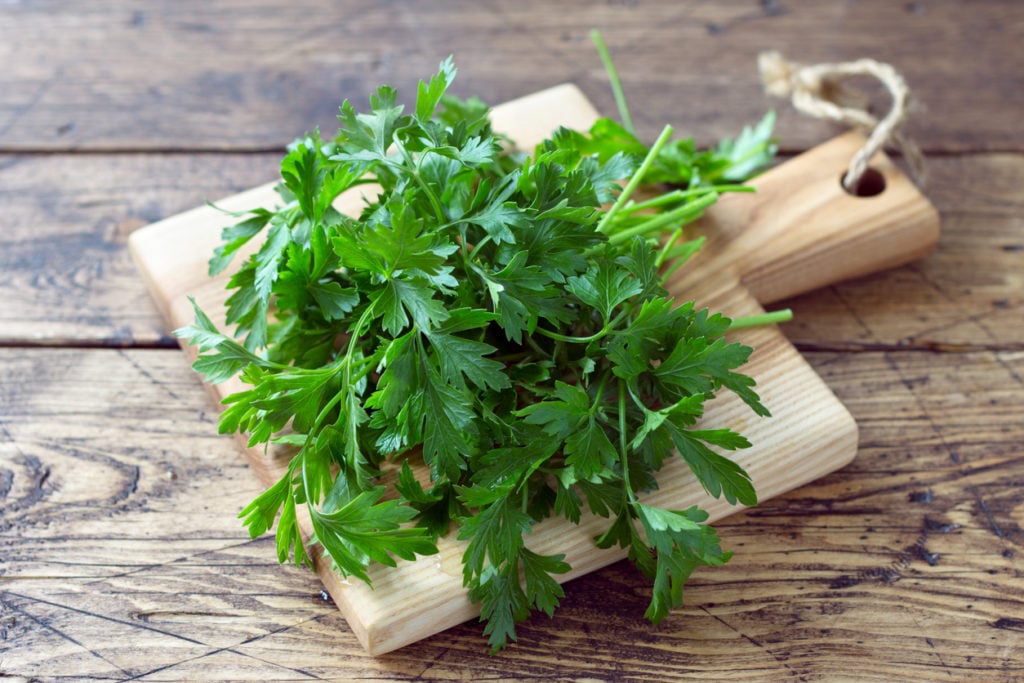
[{"x": 817, "y": 90}]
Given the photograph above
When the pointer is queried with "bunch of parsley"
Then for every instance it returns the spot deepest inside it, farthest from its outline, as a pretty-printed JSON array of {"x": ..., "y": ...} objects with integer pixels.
[{"x": 498, "y": 317}]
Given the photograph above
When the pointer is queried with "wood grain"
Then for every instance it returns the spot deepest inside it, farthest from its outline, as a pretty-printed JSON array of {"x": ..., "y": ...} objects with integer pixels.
[
  {"x": 65, "y": 273},
  {"x": 906, "y": 565},
  {"x": 193, "y": 75},
  {"x": 126, "y": 576}
]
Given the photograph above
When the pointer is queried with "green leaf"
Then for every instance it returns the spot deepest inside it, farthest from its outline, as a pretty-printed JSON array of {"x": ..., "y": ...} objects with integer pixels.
[
  {"x": 717, "y": 474},
  {"x": 589, "y": 450},
  {"x": 459, "y": 356},
  {"x": 682, "y": 542},
  {"x": 302, "y": 174},
  {"x": 259, "y": 515},
  {"x": 498, "y": 220},
  {"x": 502, "y": 604},
  {"x": 411, "y": 489},
  {"x": 541, "y": 590},
  {"x": 751, "y": 151},
  {"x": 366, "y": 137},
  {"x": 449, "y": 419},
  {"x": 606, "y": 177},
  {"x": 659, "y": 519},
  {"x": 267, "y": 264},
  {"x": 334, "y": 301},
  {"x": 230, "y": 357},
  {"x": 392, "y": 247},
  {"x": 289, "y": 536},
  {"x": 561, "y": 416},
  {"x": 366, "y": 529},
  {"x": 495, "y": 534},
  {"x": 429, "y": 94},
  {"x": 235, "y": 237},
  {"x": 400, "y": 299},
  {"x": 605, "y": 287}
]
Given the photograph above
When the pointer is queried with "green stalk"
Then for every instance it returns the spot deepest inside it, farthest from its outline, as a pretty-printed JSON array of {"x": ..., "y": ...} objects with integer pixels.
[
  {"x": 613, "y": 79},
  {"x": 762, "y": 319},
  {"x": 682, "y": 214},
  {"x": 605, "y": 225},
  {"x": 676, "y": 195},
  {"x": 669, "y": 243},
  {"x": 623, "y": 450}
]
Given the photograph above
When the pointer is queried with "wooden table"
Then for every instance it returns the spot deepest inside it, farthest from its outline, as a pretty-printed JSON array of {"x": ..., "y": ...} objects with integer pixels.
[{"x": 120, "y": 554}]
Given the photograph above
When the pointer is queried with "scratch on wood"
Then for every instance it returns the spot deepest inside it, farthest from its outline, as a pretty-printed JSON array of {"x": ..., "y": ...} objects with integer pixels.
[
  {"x": 753, "y": 641},
  {"x": 178, "y": 560},
  {"x": 46, "y": 625},
  {"x": 938, "y": 654},
  {"x": 104, "y": 617},
  {"x": 6, "y": 482},
  {"x": 952, "y": 453},
  {"x": 133, "y": 483},
  {"x": 33, "y": 101},
  {"x": 145, "y": 373},
  {"x": 852, "y": 311},
  {"x": 983, "y": 506},
  {"x": 232, "y": 650}
]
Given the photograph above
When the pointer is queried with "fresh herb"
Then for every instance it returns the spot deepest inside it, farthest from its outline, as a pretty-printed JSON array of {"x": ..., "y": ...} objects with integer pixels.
[{"x": 496, "y": 320}]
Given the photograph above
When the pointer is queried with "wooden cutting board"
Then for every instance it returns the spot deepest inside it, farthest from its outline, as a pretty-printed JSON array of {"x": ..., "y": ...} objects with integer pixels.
[{"x": 799, "y": 232}]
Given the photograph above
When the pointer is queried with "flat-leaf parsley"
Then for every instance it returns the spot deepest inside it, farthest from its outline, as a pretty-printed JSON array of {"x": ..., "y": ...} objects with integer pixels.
[{"x": 496, "y": 316}]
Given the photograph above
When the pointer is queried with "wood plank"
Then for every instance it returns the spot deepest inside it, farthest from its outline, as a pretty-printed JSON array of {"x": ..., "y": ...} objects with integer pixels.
[
  {"x": 65, "y": 273},
  {"x": 902, "y": 566},
  {"x": 237, "y": 75},
  {"x": 66, "y": 276}
]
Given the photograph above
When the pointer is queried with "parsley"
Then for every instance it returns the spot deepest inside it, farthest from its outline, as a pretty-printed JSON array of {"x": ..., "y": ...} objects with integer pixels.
[{"x": 490, "y": 316}]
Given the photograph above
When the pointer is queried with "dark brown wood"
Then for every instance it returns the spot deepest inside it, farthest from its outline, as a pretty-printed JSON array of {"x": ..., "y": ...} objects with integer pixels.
[
  {"x": 65, "y": 273},
  {"x": 238, "y": 75},
  {"x": 123, "y": 557},
  {"x": 120, "y": 556}
]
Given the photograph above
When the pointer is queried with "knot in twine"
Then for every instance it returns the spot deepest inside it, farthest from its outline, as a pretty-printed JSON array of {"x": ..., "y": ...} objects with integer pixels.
[{"x": 817, "y": 91}]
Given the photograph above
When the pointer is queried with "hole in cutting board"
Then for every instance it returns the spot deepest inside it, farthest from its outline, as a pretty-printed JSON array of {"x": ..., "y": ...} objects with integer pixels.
[{"x": 871, "y": 184}]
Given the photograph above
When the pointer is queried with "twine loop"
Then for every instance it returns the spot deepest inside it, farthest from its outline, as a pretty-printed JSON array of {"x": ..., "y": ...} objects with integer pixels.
[{"x": 818, "y": 91}]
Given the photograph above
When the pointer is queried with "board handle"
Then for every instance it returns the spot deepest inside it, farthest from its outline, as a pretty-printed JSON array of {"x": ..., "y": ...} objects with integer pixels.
[{"x": 801, "y": 230}]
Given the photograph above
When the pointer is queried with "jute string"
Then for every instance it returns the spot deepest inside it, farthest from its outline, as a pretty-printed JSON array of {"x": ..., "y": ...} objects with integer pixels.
[{"x": 818, "y": 91}]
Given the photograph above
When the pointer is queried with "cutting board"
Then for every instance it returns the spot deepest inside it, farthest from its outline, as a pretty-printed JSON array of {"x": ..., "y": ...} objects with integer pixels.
[{"x": 799, "y": 232}]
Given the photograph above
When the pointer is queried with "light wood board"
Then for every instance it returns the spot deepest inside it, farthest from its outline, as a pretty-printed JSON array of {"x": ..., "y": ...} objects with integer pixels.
[{"x": 821, "y": 236}]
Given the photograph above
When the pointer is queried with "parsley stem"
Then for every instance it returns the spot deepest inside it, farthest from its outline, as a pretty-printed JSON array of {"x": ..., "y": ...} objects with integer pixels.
[
  {"x": 613, "y": 79},
  {"x": 532, "y": 343},
  {"x": 605, "y": 225},
  {"x": 669, "y": 243},
  {"x": 570, "y": 339},
  {"x": 608, "y": 327},
  {"x": 677, "y": 195},
  {"x": 771, "y": 318},
  {"x": 679, "y": 257},
  {"x": 623, "y": 451},
  {"x": 684, "y": 214},
  {"x": 476, "y": 247}
]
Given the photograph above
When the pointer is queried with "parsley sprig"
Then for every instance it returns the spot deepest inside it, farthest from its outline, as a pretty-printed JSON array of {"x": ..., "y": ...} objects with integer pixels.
[{"x": 493, "y": 320}]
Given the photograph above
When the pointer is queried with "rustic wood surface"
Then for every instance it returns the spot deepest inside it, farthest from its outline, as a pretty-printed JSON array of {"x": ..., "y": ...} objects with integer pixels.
[{"x": 120, "y": 557}]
